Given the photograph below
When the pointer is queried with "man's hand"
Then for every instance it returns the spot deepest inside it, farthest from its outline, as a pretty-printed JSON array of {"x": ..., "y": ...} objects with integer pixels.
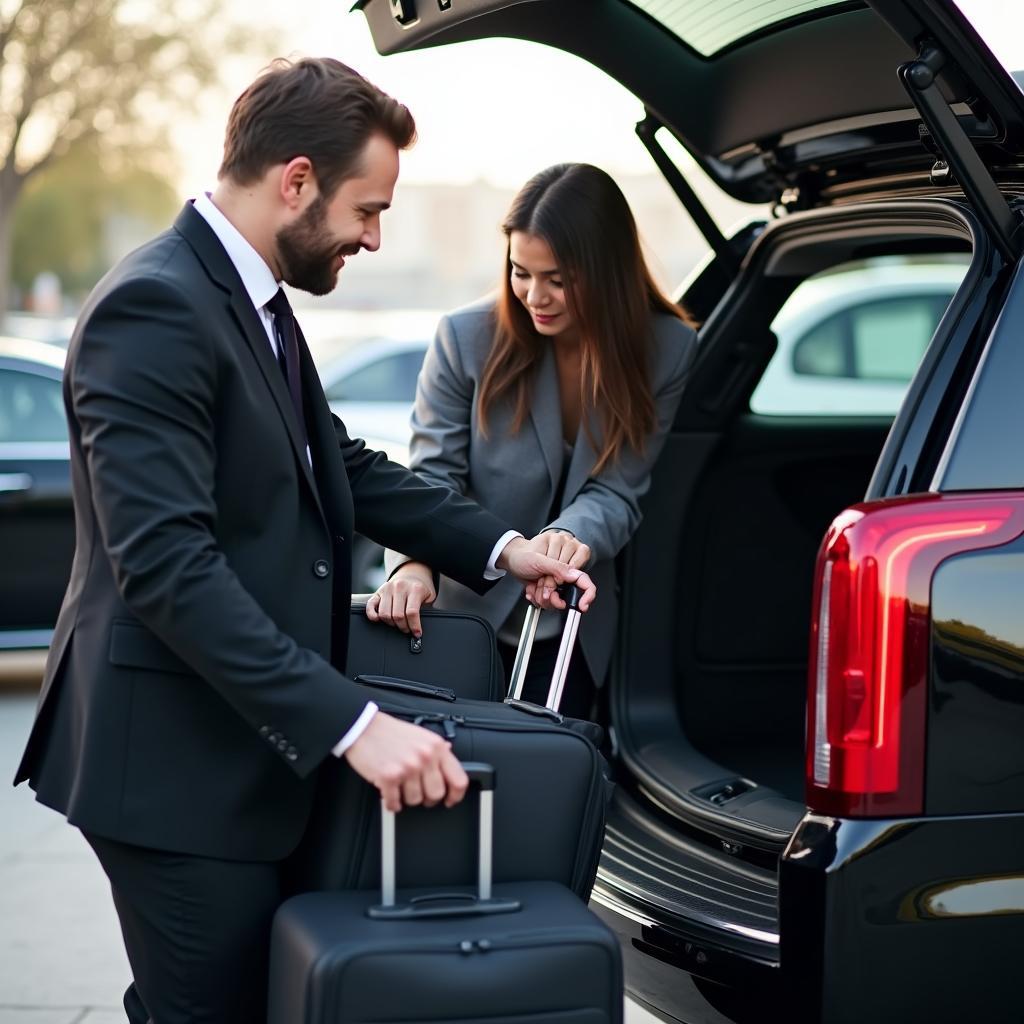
[
  {"x": 408, "y": 764},
  {"x": 398, "y": 601},
  {"x": 527, "y": 561}
]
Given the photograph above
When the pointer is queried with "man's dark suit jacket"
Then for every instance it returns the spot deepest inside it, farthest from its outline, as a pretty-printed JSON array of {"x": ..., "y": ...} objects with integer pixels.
[{"x": 195, "y": 677}]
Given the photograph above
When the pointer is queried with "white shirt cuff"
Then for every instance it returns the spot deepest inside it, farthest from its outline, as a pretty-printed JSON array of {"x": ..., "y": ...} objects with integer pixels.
[
  {"x": 357, "y": 729},
  {"x": 492, "y": 572}
]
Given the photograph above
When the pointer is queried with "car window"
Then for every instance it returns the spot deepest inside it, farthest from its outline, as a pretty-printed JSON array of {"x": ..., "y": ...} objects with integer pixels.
[
  {"x": 824, "y": 351},
  {"x": 391, "y": 378},
  {"x": 881, "y": 340},
  {"x": 888, "y": 338},
  {"x": 31, "y": 408},
  {"x": 850, "y": 340}
]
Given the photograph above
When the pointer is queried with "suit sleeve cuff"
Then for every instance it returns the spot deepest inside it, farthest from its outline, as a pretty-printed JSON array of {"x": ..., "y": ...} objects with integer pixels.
[
  {"x": 492, "y": 572},
  {"x": 357, "y": 730}
]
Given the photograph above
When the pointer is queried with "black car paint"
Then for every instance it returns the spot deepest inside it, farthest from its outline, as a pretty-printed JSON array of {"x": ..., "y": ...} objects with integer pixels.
[
  {"x": 867, "y": 928},
  {"x": 976, "y": 697}
]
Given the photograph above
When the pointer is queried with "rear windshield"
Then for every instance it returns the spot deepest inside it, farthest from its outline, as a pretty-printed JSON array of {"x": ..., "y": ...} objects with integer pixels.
[{"x": 708, "y": 26}]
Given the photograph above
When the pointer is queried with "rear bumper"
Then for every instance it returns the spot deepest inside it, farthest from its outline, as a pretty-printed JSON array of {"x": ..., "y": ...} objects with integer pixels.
[
  {"x": 686, "y": 979},
  {"x": 895, "y": 920},
  {"x": 697, "y": 926},
  {"x": 910, "y": 919}
]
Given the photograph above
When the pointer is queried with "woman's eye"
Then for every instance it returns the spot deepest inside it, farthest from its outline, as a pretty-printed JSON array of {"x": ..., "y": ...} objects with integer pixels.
[
  {"x": 520, "y": 275},
  {"x": 556, "y": 284}
]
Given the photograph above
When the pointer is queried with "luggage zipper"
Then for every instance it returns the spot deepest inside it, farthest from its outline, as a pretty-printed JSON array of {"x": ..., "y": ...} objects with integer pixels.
[
  {"x": 542, "y": 939},
  {"x": 447, "y": 722}
]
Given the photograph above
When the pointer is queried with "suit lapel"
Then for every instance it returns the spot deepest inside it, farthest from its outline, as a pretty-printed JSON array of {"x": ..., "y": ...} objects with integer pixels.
[
  {"x": 583, "y": 457},
  {"x": 207, "y": 247},
  {"x": 546, "y": 416}
]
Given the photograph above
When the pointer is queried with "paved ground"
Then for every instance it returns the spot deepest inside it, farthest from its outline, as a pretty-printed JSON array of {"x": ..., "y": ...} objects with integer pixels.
[{"x": 61, "y": 957}]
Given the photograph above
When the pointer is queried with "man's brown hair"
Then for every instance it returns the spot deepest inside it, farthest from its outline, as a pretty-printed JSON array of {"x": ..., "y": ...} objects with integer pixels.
[{"x": 315, "y": 107}]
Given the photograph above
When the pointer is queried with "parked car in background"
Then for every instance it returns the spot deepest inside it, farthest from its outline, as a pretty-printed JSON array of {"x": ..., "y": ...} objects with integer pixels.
[
  {"x": 37, "y": 526},
  {"x": 55, "y": 330},
  {"x": 825, "y": 831},
  {"x": 850, "y": 342},
  {"x": 371, "y": 386}
]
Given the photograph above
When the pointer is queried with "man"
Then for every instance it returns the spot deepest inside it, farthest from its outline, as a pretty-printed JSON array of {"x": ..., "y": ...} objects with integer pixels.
[{"x": 195, "y": 676}]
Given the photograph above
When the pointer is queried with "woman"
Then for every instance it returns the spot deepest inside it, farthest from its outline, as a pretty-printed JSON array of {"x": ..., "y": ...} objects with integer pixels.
[{"x": 549, "y": 406}]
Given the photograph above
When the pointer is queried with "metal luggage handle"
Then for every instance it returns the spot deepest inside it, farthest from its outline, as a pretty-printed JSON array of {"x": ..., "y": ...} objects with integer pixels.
[
  {"x": 571, "y": 594},
  {"x": 442, "y": 904}
]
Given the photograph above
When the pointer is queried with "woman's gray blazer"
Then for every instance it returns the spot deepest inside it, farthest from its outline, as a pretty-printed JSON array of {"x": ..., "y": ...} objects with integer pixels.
[{"x": 515, "y": 475}]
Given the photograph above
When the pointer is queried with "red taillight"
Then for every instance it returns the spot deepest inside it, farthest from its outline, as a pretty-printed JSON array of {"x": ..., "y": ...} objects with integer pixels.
[{"x": 868, "y": 668}]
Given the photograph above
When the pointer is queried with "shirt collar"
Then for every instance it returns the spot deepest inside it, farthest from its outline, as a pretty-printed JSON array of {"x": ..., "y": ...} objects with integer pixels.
[{"x": 256, "y": 276}]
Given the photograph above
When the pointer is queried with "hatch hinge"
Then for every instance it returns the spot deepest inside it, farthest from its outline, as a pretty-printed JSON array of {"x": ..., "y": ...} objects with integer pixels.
[
  {"x": 941, "y": 174},
  {"x": 946, "y": 138},
  {"x": 789, "y": 195}
]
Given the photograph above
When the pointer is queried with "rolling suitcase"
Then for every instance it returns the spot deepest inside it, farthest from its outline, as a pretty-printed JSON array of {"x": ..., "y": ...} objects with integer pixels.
[
  {"x": 555, "y": 792},
  {"x": 514, "y": 953}
]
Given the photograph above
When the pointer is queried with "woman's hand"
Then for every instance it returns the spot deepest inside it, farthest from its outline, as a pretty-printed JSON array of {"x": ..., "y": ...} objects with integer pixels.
[
  {"x": 398, "y": 601},
  {"x": 563, "y": 547},
  {"x": 530, "y": 563}
]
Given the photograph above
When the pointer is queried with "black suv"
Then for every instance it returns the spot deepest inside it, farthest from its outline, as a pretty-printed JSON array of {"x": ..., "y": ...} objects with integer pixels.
[{"x": 833, "y": 830}]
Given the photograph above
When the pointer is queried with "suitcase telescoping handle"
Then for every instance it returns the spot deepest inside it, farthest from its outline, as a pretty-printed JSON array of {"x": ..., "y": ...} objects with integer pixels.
[
  {"x": 571, "y": 594},
  {"x": 482, "y": 777}
]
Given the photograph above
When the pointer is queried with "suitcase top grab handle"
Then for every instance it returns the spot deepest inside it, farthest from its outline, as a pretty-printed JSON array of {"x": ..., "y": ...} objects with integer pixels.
[{"x": 482, "y": 777}]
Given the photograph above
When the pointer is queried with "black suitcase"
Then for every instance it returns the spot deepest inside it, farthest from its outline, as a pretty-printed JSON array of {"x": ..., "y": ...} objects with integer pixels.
[
  {"x": 457, "y": 652},
  {"x": 517, "y": 953},
  {"x": 551, "y": 807}
]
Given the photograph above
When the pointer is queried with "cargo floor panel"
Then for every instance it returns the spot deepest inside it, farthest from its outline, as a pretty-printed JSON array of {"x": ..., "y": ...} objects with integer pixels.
[{"x": 685, "y": 883}]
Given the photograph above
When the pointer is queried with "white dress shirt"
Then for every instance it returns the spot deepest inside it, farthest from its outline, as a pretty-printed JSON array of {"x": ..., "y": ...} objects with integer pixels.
[{"x": 261, "y": 286}]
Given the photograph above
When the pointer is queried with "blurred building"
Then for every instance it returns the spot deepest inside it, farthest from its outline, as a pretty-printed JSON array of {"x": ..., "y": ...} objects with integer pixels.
[{"x": 443, "y": 245}]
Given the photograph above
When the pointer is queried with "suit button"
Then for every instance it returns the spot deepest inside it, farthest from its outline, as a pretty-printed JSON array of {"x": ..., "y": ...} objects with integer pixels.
[
  {"x": 292, "y": 754},
  {"x": 274, "y": 737},
  {"x": 264, "y": 730},
  {"x": 282, "y": 746},
  {"x": 321, "y": 568}
]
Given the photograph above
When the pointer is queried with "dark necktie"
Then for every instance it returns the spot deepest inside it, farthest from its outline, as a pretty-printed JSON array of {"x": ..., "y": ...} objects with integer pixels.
[{"x": 288, "y": 350}]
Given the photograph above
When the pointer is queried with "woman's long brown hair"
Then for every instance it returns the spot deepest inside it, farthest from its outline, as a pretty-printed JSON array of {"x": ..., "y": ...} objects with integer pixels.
[{"x": 582, "y": 215}]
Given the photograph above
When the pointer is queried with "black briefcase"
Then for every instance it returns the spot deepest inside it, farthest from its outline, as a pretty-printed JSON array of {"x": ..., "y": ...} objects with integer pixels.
[
  {"x": 517, "y": 953},
  {"x": 551, "y": 806},
  {"x": 457, "y": 652}
]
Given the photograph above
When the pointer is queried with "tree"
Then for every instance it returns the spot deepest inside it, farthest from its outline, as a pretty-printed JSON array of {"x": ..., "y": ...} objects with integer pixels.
[
  {"x": 100, "y": 76},
  {"x": 66, "y": 215}
]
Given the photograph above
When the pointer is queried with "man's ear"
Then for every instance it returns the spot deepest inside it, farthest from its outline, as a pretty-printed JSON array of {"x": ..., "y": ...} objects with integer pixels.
[{"x": 298, "y": 183}]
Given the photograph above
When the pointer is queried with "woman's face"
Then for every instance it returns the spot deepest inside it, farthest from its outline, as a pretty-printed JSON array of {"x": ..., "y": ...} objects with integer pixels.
[{"x": 537, "y": 284}]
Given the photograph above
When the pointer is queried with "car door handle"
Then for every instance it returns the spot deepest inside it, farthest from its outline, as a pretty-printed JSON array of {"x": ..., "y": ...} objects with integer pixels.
[{"x": 15, "y": 483}]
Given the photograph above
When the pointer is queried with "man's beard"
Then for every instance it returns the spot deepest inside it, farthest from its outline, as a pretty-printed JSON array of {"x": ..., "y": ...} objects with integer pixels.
[{"x": 307, "y": 252}]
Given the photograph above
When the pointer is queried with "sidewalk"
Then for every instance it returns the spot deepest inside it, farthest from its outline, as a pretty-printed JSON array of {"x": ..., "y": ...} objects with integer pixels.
[{"x": 61, "y": 957}]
